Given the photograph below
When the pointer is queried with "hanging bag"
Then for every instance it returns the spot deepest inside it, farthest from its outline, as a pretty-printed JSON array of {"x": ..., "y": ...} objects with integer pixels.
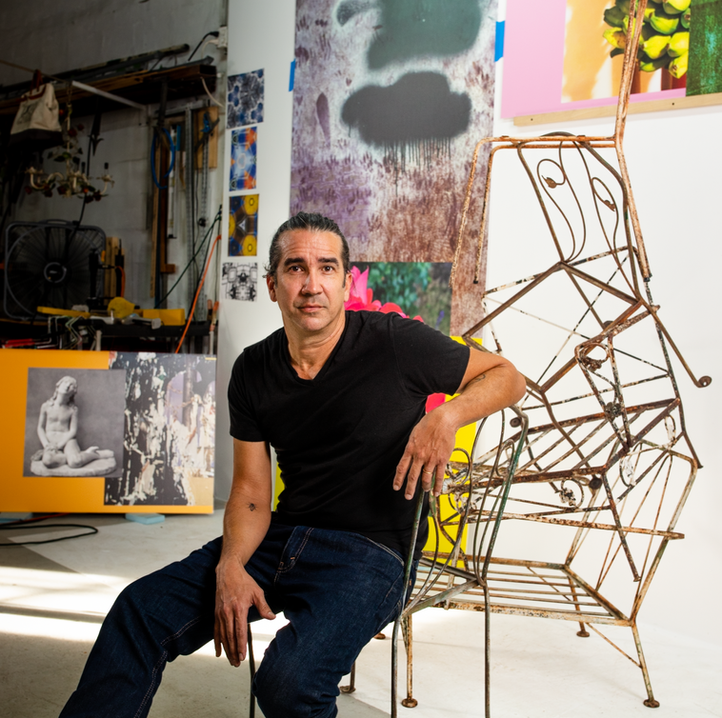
[{"x": 37, "y": 119}]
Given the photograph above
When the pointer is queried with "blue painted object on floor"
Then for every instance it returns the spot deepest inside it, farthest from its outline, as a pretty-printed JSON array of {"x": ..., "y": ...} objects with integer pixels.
[
  {"x": 146, "y": 518},
  {"x": 9, "y": 516}
]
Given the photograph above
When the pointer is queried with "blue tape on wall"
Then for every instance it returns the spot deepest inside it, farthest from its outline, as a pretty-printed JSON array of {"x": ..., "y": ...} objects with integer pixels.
[
  {"x": 292, "y": 78},
  {"x": 499, "y": 43}
]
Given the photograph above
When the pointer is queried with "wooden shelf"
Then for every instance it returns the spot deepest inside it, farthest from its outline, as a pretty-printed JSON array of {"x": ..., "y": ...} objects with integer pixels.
[
  {"x": 119, "y": 337},
  {"x": 143, "y": 87}
]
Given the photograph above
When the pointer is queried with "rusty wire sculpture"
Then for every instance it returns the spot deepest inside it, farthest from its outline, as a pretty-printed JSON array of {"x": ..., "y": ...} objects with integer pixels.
[{"x": 607, "y": 465}]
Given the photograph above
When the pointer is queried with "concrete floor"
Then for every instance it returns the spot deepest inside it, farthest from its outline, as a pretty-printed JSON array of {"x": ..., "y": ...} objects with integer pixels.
[{"x": 53, "y": 597}]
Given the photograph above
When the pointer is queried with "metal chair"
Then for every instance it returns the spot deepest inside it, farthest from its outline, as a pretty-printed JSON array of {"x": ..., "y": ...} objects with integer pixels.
[{"x": 467, "y": 517}]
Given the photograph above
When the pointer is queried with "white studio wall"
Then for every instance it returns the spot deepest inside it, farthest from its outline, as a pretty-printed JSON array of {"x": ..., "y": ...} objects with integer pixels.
[
  {"x": 66, "y": 36},
  {"x": 260, "y": 36}
]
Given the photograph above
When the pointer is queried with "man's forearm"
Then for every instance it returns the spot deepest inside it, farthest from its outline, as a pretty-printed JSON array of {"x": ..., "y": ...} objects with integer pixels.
[
  {"x": 248, "y": 511},
  {"x": 489, "y": 392},
  {"x": 245, "y": 523},
  {"x": 489, "y": 385}
]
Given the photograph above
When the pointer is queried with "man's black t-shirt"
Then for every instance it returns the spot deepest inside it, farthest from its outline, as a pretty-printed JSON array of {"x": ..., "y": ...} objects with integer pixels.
[{"x": 339, "y": 436}]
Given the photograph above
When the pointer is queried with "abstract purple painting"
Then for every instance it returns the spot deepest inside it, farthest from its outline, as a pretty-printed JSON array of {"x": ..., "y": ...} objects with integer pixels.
[{"x": 390, "y": 99}]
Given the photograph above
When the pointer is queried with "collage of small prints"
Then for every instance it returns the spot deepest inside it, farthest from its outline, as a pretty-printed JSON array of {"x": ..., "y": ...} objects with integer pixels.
[{"x": 245, "y": 108}]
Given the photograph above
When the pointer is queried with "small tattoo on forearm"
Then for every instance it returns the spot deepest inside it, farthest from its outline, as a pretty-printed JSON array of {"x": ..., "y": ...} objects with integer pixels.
[
  {"x": 481, "y": 377},
  {"x": 252, "y": 507}
]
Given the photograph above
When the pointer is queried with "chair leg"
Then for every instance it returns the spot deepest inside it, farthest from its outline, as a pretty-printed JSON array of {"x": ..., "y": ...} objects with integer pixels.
[
  {"x": 252, "y": 666},
  {"x": 409, "y": 701},
  {"x": 351, "y": 687},
  {"x": 650, "y": 701},
  {"x": 394, "y": 664},
  {"x": 582, "y": 632},
  {"x": 487, "y": 653}
]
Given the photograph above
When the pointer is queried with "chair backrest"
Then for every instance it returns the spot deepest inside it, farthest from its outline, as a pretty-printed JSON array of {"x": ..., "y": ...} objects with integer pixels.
[{"x": 468, "y": 514}]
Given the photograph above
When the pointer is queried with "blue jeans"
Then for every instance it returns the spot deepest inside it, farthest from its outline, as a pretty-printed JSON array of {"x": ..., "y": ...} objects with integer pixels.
[{"x": 337, "y": 590}]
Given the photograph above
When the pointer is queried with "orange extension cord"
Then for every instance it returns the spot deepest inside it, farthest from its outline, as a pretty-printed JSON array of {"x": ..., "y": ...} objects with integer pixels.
[{"x": 198, "y": 292}]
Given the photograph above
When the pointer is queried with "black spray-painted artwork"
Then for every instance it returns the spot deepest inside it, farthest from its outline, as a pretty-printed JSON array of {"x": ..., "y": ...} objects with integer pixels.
[
  {"x": 239, "y": 281},
  {"x": 390, "y": 99},
  {"x": 169, "y": 433}
]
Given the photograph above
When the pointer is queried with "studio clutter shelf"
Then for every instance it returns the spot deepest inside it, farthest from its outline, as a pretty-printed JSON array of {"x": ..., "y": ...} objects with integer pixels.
[{"x": 143, "y": 87}]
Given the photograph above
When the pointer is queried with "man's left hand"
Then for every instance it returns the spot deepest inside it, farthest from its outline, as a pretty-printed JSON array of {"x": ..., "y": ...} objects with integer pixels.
[
  {"x": 490, "y": 383},
  {"x": 427, "y": 452}
]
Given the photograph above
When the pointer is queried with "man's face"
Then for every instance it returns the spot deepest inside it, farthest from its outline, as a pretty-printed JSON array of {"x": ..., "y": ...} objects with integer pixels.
[{"x": 309, "y": 284}]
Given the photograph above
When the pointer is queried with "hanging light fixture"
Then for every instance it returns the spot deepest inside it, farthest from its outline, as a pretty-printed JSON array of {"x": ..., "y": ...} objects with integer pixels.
[{"x": 74, "y": 182}]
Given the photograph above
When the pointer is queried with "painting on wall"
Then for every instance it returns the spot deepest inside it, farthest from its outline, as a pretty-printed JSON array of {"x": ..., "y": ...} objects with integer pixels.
[
  {"x": 584, "y": 45},
  {"x": 239, "y": 281},
  {"x": 243, "y": 159},
  {"x": 107, "y": 433},
  {"x": 245, "y": 99},
  {"x": 414, "y": 289},
  {"x": 169, "y": 432},
  {"x": 243, "y": 225},
  {"x": 593, "y": 68},
  {"x": 390, "y": 99}
]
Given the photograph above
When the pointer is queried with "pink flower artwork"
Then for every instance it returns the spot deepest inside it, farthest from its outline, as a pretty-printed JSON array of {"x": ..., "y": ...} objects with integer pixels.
[{"x": 361, "y": 298}]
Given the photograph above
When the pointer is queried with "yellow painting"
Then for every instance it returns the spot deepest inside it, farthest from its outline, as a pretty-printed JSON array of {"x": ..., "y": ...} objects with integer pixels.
[{"x": 594, "y": 42}]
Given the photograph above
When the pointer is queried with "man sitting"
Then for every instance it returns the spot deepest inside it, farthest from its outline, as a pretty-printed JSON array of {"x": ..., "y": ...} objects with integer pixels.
[{"x": 340, "y": 396}]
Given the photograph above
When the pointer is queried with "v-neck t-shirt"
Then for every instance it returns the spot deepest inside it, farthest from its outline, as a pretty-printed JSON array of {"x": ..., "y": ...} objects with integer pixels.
[{"x": 339, "y": 436}]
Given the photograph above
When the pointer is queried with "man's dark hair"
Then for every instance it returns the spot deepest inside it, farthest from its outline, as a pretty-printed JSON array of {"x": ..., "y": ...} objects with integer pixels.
[{"x": 311, "y": 221}]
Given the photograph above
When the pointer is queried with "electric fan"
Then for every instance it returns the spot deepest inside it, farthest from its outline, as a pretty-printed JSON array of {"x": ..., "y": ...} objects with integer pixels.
[{"x": 53, "y": 264}]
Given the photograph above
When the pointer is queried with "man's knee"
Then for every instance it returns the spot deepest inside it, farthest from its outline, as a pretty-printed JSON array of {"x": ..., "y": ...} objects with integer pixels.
[
  {"x": 131, "y": 604},
  {"x": 286, "y": 691}
]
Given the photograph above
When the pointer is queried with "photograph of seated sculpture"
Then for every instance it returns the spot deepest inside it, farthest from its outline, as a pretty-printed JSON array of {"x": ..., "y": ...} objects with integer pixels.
[{"x": 75, "y": 431}]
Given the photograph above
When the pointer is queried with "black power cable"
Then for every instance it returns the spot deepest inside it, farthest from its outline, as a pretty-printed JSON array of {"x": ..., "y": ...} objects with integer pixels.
[
  {"x": 191, "y": 262},
  {"x": 215, "y": 33},
  {"x": 207, "y": 243},
  {"x": 32, "y": 524}
]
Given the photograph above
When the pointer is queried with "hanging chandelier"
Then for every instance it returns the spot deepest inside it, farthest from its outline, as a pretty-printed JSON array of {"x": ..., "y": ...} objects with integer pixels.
[{"x": 74, "y": 182}]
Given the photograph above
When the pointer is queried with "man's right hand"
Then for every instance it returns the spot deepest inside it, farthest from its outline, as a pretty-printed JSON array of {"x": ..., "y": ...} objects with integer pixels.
[{"x": 236, "y": 592}]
